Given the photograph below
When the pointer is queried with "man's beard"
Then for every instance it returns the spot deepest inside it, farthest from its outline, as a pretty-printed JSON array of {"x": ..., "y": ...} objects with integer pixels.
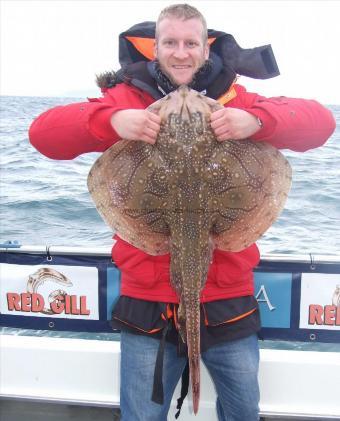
[
  {"x": 174, "y": 82},
  {"x": 167, "y": 82}
]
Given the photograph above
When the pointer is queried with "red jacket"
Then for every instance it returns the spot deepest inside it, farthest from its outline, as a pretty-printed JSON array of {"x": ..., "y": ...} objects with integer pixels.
[{"x": 67, "y": 131}]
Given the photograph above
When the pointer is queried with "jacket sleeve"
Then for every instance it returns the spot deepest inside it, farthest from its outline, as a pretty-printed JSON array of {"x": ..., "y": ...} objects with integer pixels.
[
  {"x": 288, "y": 123},
  {"x": 65, "y": 132}
]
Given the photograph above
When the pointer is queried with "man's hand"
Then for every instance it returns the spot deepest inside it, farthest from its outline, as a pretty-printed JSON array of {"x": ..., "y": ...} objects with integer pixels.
[
  {"x": 136, "y": 125},
  {"x": 233, "y": 124}
]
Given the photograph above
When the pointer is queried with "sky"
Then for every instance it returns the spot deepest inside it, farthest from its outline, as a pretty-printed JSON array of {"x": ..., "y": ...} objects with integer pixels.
[{"x": 56, "y": 47}]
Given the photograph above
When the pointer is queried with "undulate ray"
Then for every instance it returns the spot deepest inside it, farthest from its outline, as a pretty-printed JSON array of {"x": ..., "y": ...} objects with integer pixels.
[{"x": 187, "y": 195}]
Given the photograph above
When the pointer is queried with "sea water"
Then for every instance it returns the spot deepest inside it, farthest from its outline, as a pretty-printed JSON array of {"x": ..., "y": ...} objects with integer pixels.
[{"x": 46, "y": 202}]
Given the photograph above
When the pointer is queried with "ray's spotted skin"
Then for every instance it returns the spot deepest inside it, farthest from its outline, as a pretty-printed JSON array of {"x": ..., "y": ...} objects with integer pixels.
[{"x": 187, "y": 195}]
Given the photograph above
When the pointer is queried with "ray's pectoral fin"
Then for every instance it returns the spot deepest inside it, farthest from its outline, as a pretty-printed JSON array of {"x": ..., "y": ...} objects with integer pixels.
[{"x": 156, "y": 107}]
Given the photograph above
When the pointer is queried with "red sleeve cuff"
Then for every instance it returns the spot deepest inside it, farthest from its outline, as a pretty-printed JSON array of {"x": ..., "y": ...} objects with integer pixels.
[
  {"x": 100, "y": 125},
  {"x": 268, "y": 123}
]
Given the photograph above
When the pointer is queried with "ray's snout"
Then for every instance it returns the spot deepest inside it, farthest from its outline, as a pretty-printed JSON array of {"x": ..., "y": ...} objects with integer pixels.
[
  {"x": 183, "y": 90},
  {"x": 184, "y": 102}
]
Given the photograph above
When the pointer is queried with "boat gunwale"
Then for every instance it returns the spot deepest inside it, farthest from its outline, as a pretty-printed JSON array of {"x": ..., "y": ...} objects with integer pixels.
[{"x": 105, "y": 251}]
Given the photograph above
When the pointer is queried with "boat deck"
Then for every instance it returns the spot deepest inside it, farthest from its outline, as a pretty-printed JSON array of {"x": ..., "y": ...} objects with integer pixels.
[{"x": 13, "y": 410}]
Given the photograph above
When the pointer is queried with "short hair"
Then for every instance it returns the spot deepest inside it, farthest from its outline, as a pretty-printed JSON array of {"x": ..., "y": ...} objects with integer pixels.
[{"x": 183, "y": 11}]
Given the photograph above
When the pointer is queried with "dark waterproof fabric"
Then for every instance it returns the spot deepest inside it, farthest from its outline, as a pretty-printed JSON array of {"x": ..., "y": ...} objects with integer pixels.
[{"x": 221, "y": 320}]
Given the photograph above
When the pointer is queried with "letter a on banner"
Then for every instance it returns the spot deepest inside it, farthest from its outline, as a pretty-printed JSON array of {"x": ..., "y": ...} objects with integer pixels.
[{"x": 265, "y": 299}]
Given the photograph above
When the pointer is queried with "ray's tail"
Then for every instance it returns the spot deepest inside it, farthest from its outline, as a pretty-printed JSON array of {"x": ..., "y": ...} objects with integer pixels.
[
  {"x": 194, "y": 348},
  {"x": 188, "y": 274},
  {"x": 189, "y": 330}
]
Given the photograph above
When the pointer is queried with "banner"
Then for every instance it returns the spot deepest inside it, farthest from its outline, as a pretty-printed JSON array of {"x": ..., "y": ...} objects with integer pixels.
[
  {"x": 273, "y": 292},
  {"x": 298, "y": 301},
  {"x": 320, "y": 301},
  {"x": 69, "y": 292}
]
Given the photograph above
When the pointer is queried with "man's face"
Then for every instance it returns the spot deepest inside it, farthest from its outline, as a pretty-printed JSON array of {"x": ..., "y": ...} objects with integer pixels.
[{"x": 180, "y": 48}]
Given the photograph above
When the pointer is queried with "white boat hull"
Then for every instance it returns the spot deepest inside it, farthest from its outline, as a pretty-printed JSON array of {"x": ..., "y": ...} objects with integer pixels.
[{"x": 86, "y": 372}]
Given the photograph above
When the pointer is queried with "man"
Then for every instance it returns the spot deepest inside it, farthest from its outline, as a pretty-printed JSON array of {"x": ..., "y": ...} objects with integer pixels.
[{"x": 148, "y": 304}]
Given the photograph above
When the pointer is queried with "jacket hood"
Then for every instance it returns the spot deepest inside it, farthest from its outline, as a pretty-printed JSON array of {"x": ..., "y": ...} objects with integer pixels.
[{"x": 137, "y": 43}]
